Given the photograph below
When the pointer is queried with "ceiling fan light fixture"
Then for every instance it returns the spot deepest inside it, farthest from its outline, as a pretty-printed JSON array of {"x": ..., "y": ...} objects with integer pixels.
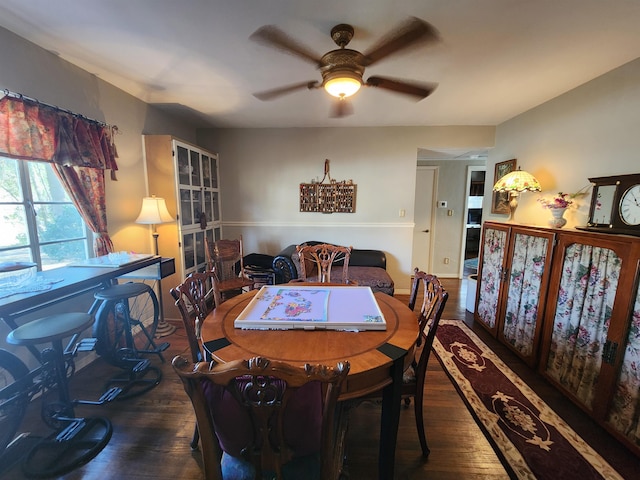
[
  {"x": 342, "y": 84},
  {"x": 342, "y": 69}
]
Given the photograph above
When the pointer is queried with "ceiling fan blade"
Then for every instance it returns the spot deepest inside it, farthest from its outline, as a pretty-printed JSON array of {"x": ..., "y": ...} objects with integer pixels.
[
  {"x": 418, "y": 90},
  {"x": 272, "y": 36},
  {"x": 409, "y": 33},
  {"x": 277, "y": 92},
  {"x": 341, "y": 107}
]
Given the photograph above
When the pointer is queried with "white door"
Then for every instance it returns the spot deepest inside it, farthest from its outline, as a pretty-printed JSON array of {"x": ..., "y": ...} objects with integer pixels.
[{"x": 423, "y": 215}]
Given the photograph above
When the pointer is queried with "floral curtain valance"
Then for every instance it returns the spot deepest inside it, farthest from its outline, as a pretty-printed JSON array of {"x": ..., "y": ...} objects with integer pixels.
[
  {"x": 79, "y": 149},
  {"x": 30, "y": 130}
]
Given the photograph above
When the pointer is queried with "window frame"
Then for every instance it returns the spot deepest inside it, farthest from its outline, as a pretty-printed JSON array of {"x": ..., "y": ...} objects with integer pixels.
[{"x": 28, "y": 204}]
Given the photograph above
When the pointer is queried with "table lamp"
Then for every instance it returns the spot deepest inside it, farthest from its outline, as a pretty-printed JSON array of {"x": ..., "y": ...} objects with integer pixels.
[
  {"x": 515, "y": 183},
  {"x": 154, "y": 211}
]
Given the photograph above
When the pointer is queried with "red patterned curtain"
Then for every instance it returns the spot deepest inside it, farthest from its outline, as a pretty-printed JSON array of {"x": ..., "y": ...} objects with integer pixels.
[
  {"x": 27, "y": 132},
  {"x": 86, "y": 187},
  {"x": 79, "y": 149}
]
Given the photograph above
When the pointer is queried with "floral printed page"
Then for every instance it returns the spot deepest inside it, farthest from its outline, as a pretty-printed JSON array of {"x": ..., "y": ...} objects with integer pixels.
[{"x": 297, "y": 305}]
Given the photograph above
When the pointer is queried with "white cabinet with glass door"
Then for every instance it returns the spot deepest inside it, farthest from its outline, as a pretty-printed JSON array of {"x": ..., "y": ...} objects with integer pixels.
[{"x": 187, "y": 177}]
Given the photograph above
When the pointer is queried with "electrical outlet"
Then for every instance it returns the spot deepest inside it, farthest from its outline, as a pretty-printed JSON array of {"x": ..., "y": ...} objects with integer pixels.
[{"x": 446, "y": 260}]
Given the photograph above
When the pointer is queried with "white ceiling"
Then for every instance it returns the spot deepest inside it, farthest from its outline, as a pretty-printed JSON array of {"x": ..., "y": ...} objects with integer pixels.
[{"x": 497, "y": 58}]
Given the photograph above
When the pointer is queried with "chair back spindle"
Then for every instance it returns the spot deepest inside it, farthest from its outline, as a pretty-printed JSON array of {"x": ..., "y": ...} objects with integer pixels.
[
  {"x": 226, "y": 259},
  {"x": 320, "y": 259}
]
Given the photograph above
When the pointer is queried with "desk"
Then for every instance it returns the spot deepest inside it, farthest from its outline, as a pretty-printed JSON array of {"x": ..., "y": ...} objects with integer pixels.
[
  {"x": 377, "y": 358},
  {"x": 75, "y": 281}
]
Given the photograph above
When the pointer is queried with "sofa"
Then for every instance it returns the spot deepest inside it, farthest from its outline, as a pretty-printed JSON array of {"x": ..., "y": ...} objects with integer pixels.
[{"x": 366, "y": 267}]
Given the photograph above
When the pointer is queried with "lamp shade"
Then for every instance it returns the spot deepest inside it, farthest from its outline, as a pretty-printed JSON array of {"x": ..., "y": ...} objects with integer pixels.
[
  {"x": 154, "y": 211},
  {"x": 342, "y": 83},
  {"x": 517, "y": 181}
]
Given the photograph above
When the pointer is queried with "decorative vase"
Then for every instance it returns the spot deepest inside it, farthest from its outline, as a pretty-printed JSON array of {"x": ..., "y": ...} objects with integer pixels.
[{"x": 557, "y": 219}]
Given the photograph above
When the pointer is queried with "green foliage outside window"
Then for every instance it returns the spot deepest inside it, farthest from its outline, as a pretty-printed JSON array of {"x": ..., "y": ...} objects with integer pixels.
[{"x": 32, "y": 199}]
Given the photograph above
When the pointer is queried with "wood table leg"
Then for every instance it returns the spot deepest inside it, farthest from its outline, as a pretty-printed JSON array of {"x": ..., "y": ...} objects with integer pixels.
[{"x": 391, "y": 399}]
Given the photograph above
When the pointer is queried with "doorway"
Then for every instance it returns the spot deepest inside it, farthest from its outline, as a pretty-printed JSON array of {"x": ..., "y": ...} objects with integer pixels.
[
  {"x": 426, "y": 192},
  {"x": 472, "y": 228}
]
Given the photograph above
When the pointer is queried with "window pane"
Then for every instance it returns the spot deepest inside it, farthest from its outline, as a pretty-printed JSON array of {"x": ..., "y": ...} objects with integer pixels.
[
  {"x": 214, "y": 173},
  {"x": 208, "y": 209},
  {"x": 58, "y": 222},
  {"x": 200, "y": 254},
  {"x": 59, "y": 254},
  {"x": 14, "y": 226},
  {"x": 185, "y": 206},
  {"x": 38, "y": 223},
  {"x": 14, "y": 230},
  {"x": 206, "y": 171},
  {"x": 17, "y": 255},
  {"x": 216, "y": 207},
  {"x": 195, "y": 169},
  {"x": 197, "y": 206},
  {"x": 10, "y": 189},
  {"x": 45, "y": 185},
  {"x": 188, "y": 246},
  {"x": 184, "y": 167}
]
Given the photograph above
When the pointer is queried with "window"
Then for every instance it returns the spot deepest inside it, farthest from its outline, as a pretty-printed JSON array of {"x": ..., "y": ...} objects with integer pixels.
[{"x": 39, "y": 223}]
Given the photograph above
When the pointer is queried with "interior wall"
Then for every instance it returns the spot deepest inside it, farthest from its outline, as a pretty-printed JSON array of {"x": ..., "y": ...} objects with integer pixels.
[
  {"x": 37, "y": 73},
  {"x": 448, "y": 237},
  {"x": 261, "y": 170},
  {"x": 589, "y": 131}
]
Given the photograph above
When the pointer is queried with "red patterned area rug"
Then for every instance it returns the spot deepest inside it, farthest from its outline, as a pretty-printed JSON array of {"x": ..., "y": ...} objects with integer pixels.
[{"x": 531, "y": 439}]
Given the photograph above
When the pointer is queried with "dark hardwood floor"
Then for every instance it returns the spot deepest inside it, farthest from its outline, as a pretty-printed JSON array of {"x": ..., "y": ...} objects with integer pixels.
[{"x": 152, "y": 432}]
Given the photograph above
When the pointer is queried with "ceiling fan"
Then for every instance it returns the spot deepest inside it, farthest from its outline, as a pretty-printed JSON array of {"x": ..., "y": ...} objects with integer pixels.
[{"x": 342, "y": 69}]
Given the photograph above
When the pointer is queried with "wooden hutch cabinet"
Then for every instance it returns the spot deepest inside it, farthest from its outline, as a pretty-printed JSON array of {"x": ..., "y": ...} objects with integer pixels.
[
  {"x": 187, "y": 177},
  {"x": 590, "y": 340},
  {"x": 512, "y": 283},
  {"x": 490, "y": 275},
  {"x": 569, "y": 301},
  {"x": 623, "y": 413}
]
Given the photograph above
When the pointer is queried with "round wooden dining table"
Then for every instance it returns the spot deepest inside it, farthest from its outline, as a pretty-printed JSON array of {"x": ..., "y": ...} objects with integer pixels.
[{"x": 377, "y": 358}]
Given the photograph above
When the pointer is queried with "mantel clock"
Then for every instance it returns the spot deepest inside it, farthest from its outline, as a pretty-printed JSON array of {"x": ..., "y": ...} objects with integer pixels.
[{"x": 615, "y": 205}]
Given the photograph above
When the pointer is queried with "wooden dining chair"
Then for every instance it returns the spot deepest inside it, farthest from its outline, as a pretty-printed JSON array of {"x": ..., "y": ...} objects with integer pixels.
[
  {"x": 194, "y": 299},
  {"x": 317, "y": 261},
  {"x": 265, "y": 419},
  {"x": 226, "y": 259},
  {"x": 434, "y": 299}
]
